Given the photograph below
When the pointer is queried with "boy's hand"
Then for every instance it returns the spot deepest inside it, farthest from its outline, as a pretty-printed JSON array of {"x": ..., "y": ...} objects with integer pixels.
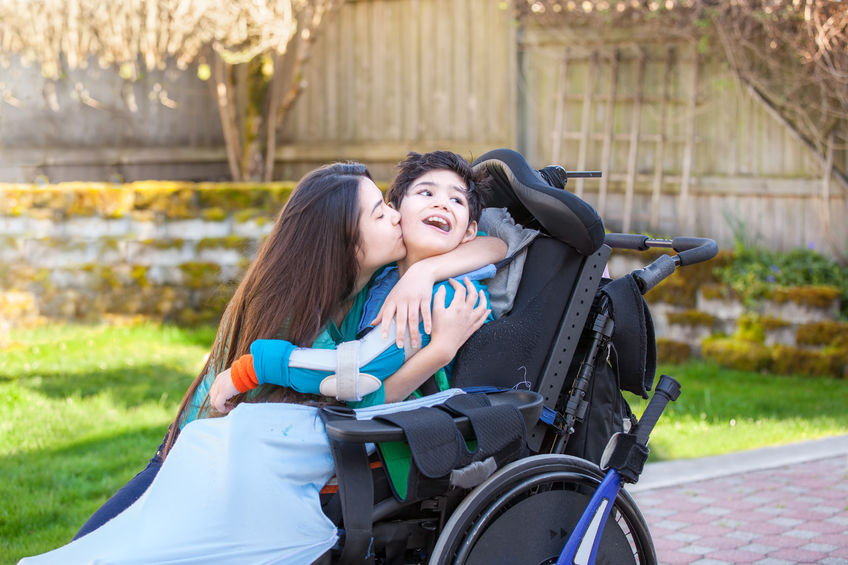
[
  {"x": 452, "y": 326},
  {"x": 409, "y": 297},
  {"x": 222, "y": 390}
]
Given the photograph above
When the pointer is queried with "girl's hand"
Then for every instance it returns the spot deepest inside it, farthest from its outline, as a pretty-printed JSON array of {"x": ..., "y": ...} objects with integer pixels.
[
  {"x": 409, "y": 297},
  {"x": 222, "y": 390},
  {"x": 452, "y": 326}
]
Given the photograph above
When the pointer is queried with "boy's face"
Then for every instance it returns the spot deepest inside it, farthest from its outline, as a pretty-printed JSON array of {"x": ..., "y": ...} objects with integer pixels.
[{"x": 434, "y": 215}]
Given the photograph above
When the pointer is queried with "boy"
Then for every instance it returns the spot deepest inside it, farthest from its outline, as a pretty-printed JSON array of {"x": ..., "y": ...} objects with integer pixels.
[{"x": 439, "y": 199}]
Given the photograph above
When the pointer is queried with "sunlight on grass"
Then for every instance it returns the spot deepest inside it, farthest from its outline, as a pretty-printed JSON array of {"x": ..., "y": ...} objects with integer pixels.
[
  {"x": 84, "y": 407},
  {"x": 721, "y": 411}
]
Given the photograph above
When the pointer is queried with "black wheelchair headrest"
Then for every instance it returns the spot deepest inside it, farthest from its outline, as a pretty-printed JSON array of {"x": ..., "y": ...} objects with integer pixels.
[{"x": 532, "y": 201}]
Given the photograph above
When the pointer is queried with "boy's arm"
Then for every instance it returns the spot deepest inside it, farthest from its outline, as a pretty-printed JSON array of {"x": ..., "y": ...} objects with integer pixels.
[
  {"x": 413, "y": 292},
  {"x": 452, "y": 326},
  {"x": 279, "y": 362}
]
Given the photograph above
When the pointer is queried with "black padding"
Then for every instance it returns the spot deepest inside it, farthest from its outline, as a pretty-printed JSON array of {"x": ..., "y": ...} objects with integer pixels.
[
  {"x": 531, "y": 200},
  {"x": 511, "y": 351},
  {"x": 356, "y": 491},
  {"x": 633, "y": 336}
]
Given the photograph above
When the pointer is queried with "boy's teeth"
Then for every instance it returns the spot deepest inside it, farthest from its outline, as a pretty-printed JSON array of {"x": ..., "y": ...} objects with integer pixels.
[{"x": 438, "y": 222}]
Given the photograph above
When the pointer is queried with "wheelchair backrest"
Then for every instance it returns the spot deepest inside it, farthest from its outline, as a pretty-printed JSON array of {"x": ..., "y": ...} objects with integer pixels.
[{"x": 533, "y": 345}]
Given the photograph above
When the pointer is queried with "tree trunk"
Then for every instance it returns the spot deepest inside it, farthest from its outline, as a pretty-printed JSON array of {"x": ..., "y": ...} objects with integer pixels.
[{"x": 224, "y": 97}]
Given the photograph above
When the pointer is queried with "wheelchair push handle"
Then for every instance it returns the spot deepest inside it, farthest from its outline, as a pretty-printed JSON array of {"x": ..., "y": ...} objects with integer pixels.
[
  {"x": 690, "y": 250},
  {"x": 667, "y": 390}
]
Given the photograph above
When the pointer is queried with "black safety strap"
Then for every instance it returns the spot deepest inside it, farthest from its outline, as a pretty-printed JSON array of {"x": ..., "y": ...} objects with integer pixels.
[
  {"x": 356, "y": 490},
  {"x": 500, "y": 430},
  {"x": 439, "y": 451},
  {"x": 436, "y": 445}
]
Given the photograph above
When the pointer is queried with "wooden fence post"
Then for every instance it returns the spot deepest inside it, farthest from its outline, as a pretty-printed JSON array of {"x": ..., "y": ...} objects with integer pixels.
[
  {"x": 660, "y": 149},
  {"x": 606, "y": 153},
  {"x": 585, "y": 116},
  {"x": 559, "y": 111},
  {"x": 634, "y": 143},
  {"x": 683, "y": 202}
]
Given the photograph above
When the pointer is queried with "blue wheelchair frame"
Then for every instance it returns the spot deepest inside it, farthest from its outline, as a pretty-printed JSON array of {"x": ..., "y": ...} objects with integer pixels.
[{"x": 582, "y": 545}]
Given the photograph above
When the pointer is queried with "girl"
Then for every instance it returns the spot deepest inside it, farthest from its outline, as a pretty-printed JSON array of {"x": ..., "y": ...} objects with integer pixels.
[{"x": 308, "y": 285}]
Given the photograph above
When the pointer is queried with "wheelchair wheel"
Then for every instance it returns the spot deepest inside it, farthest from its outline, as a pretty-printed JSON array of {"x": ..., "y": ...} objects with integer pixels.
[{"x": 524, "y": 513}]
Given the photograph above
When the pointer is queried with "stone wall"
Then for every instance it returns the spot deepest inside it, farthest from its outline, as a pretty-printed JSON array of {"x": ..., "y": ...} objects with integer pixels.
[
  {"x": 166, "y": 250},
  {"x": 794, "y": 330},
  {"x": 175, "y": 251}
]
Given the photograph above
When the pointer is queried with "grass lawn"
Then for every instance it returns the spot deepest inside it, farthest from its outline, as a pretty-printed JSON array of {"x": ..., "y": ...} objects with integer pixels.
[{"x": 82, "y": 408}]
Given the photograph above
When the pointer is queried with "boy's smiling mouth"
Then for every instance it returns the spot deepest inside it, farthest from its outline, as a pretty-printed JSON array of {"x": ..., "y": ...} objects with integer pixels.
[{"x": 438, "y": 222}]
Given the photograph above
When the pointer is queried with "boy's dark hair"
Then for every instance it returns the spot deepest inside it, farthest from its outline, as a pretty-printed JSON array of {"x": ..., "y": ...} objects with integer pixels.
[{"x": 417, "y": 164}]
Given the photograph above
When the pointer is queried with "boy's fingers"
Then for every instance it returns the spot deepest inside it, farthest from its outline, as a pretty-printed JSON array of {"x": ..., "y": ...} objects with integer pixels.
[
  {"x": 439, "y": 298},
  {"x": 482, "y": 319},
  {"x": 458, "y": 288},
  {"x": 471, "y": 296}
]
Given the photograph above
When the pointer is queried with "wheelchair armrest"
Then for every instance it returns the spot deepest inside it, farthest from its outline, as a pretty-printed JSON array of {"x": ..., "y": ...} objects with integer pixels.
[{"x": 369, "y": 431}]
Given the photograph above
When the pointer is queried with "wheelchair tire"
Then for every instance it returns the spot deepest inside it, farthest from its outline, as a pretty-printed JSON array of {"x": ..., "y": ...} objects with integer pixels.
[{"x": 524, "y": 513}]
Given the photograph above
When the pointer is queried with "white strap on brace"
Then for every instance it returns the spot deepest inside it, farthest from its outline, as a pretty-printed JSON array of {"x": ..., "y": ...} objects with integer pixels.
[
  {"x": 348, "y": 383},
  {"x": 370, "y": 347}
]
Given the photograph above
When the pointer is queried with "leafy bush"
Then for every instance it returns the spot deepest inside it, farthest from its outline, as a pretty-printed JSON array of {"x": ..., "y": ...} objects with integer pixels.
[
  {"x": 793, "y": 360},
  {"x": 823, "y": 333},
  {"x": 672, "y": 352},
  {"x": 756, "y": 272},
  {"x": 736, "y": 353}
]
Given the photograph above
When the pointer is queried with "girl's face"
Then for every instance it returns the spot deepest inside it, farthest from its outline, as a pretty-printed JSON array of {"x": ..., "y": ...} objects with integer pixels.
[{"x": 380, "y": 236}]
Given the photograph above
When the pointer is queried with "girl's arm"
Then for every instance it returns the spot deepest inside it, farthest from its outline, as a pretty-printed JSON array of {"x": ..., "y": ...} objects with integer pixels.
[{"x": 413, "y": 292}]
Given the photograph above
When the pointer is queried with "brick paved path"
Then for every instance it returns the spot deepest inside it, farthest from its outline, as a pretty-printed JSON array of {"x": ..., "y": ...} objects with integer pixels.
[{"x": 791, "y": 514}]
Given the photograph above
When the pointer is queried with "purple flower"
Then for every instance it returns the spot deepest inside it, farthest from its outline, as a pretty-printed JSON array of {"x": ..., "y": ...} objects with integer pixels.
[
  {"x": 812, "y": 245},
  {"x": 774, "y": 269},
  {"x": 770, "y": 278}
]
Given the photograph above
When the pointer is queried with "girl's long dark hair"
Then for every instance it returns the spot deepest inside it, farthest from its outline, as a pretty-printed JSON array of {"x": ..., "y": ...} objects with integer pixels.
[{"x": 303, "y": 272}]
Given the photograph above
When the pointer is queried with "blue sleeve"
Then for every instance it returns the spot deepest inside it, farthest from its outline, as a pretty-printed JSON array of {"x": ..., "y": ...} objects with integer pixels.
[{"x": 271, "y": 362}]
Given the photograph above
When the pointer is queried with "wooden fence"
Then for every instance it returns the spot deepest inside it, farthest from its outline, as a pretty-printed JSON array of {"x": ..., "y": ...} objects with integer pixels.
[
  {"x": 683, "y": 147},
  {"x": 390, "y": 76}
]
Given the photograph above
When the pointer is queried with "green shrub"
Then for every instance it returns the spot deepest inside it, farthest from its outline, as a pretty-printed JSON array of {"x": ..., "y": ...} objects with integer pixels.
[
  {"x": 671, "y": 351},
  {"x": 822, "y": 333},
  {"x": 691, "y": 318},
  {"x": 815, "y": 296},
  {"x": 796, "y": 361},
  {"x": 735, "y": 353},
  {"x": 756, "y": 273}
]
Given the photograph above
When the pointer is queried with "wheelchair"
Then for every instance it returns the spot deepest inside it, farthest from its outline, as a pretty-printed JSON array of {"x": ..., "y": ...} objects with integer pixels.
[{"x": 556, "y": 363}]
